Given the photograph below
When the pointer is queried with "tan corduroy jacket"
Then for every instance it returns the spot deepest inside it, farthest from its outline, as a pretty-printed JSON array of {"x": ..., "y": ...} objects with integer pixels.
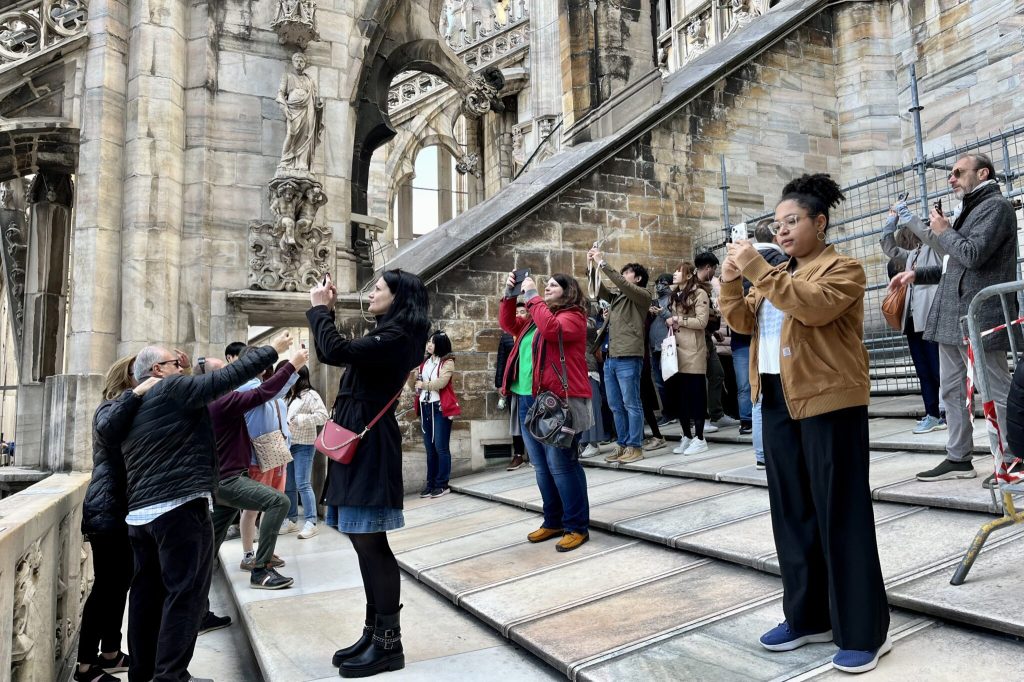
[{"x": 824, "y": 362}]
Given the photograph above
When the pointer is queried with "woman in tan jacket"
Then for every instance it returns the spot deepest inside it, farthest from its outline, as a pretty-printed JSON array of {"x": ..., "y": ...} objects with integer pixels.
[
  {"x": 691, "y": 305},
  {"x": 809, "y": 364}
]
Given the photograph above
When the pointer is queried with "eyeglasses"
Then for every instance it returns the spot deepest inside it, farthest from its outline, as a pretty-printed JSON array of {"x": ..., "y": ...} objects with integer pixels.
[
  {"x": 176, "y": 363},
  {"x": 957, "y": 172},
  {"x": 789, "y": 221}
]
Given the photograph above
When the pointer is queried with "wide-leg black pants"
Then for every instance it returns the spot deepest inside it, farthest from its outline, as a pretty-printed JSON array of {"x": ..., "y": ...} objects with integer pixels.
[{"x": 823, "y": 522}]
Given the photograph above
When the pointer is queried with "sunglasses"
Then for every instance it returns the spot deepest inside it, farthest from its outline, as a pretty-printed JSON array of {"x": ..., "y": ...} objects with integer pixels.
[
  {"x": 957, "y": 172},
  {"x": 176, "y": 363}
]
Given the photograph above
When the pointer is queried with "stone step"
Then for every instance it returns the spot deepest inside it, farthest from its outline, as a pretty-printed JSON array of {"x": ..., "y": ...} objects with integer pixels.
[
  {"x": 731, "y": 522},
  {"x": 903, "y": 406},
  {"x": 622, "y": 608}
]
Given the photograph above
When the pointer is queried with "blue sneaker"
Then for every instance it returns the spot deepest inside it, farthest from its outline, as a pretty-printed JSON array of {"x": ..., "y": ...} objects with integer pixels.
[
  {"x": 929, "y": 424},
  {"x": 784, "y": 638},
  {"x": 856, "y": 661}
]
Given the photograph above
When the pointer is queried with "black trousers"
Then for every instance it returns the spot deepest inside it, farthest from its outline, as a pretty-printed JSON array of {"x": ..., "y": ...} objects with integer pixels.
[
  {"x": 823, "y": 522},
  {"x": 112, "y": 564},
  {"x": 173, "y": 569}
]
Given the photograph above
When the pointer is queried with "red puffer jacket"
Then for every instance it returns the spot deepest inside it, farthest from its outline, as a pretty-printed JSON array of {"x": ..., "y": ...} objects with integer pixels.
[{"x": 573, "y": 324}]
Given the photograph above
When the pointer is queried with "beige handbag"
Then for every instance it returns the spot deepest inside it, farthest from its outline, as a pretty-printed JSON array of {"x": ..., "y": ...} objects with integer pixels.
[{"x": 272, "y": 447}]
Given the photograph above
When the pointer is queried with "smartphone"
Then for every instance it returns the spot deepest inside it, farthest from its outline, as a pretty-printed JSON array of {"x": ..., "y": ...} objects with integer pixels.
[
  {"x": 739, "y": 232},
  {"x": 302, "y": 346},
  {"x": 327, "y": 278},
  {"x": 938, "y": 206},
  {"x": 902, "y": 196},
  {"x": 520, "y": 275}
]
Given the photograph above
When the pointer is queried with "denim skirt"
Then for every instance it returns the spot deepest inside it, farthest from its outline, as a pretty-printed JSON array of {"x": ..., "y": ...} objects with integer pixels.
[{"x": 369, "y": 519}]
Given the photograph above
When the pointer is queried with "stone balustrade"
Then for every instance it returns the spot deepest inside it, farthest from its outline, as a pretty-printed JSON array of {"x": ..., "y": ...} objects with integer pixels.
[
  {"x": 415, "y": 86},
  {"x": 708, "y": 25},
  {"x": 45, "y": 576},
  {"x": 29, "y": 27}
]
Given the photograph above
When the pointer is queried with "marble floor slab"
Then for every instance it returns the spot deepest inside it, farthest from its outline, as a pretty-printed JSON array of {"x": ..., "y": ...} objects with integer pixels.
[
  {"x": 508, "y": 480},
  {"x": 449, "y": 528},
  {"x": 682, "y": 492},
  {"x": 664, "y": 527},
  {"x": 562, "y": 587},
  {"x": 443, "y": 508},
  {"x": 575, "y": 636},
  {"x": 417, "y": 560},
  {"x": 710, "y": 468},
  {"x": 597, "y": 479},
  {"x": 962, "y": 493}
]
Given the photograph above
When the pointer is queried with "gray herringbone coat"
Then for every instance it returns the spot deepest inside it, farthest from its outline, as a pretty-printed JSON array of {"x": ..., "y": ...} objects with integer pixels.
[{"x": 982, "y": 251}]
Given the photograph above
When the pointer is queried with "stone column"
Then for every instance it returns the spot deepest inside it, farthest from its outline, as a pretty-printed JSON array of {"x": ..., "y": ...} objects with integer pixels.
[
  {"x": 576, "y": 47},
  {"x": 625, "y": 51},
  {"x": 403, "y": 221},
  {"x": 545, "y": 76},
  {"x": 95, "y": 314},
  {"x": 444, "y": 185},
  {"x": 154, "y": 172}
]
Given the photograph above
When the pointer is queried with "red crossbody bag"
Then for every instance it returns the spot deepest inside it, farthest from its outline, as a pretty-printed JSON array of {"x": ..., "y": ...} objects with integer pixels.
[{"x": 339, "y": 443}]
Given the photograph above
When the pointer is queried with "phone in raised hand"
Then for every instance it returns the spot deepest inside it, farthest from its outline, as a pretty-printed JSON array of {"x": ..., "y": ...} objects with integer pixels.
[
  {"x": 739, "y": 233},
  {"x": 519, "y": 275}
]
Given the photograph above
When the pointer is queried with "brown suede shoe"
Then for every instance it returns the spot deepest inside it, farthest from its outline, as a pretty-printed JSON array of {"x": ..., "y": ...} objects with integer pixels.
[
  {"x": 542, "y": 534},
  {"x": 631, "y": 455},
  {"x": 614, "y": 457},
  {"x": 571, "y": 541}
]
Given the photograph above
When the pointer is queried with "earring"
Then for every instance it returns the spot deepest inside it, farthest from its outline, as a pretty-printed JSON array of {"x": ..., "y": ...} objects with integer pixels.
[{"x": 821, "y": 235}]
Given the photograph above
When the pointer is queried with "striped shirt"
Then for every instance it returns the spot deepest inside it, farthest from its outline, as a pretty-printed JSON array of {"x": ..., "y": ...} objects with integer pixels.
[{"x": 140, "y": 517}]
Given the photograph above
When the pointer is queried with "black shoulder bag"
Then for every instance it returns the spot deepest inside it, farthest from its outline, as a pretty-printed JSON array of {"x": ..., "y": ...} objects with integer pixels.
[{"x": 549, "y": 419}]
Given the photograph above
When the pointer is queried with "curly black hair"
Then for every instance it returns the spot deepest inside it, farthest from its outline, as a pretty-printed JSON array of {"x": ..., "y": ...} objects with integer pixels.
[{"x": 816, "y": 194}]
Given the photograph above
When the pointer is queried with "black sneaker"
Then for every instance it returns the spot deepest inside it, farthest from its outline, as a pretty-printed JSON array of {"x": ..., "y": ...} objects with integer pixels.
[
  {"x": 426, "y": 491},
  {"x": 948, "y": 469},
  {"x": 268, "y": 579},
  {"x": 94, "y": 674},
  {"x": 990, "y": 483},
  {"x": 117, "y": 664},
  {"x": 212, "y": 622},
  {"x": 759, "y": 465},
  {"x": 438, "y": 492}
]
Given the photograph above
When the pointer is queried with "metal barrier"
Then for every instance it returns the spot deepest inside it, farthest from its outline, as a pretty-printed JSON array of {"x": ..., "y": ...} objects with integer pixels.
[{"x": 1009, "y": 468}]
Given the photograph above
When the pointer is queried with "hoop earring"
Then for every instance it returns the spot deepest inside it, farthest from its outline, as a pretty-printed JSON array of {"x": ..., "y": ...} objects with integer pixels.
[{"x": 821, "y": 235}]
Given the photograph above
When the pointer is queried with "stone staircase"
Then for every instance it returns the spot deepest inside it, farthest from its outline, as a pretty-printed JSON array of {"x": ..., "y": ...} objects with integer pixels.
[{"x": 677, "y": 582}]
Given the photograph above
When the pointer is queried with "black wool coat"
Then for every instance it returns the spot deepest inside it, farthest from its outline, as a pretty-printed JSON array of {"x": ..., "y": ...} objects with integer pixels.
[
  {"x": 378, "y": 366},
  {"x": 106, "y": 498}
]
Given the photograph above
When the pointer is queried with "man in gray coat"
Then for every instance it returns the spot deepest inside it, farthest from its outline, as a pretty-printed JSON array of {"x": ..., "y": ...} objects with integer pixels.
[{"x": 981, "y": 250}]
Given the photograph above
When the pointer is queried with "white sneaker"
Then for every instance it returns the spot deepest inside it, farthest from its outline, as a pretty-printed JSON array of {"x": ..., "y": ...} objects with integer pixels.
[
  {"x": 709, "y": 427},
  {"x": 681, "y": 448},
  {"x": 308, "y": 531},
  {"x": 726, "y": 421},
  {"x": 591, "y": 450},
  {"x": 697, "y": 446},
  {"x": 288, "y": 527}
]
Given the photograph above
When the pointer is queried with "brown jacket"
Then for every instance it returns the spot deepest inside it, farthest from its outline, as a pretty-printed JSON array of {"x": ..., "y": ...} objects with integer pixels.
[
  {"x": 691, "y": 347},
  {"x": 824, "y": 362}
]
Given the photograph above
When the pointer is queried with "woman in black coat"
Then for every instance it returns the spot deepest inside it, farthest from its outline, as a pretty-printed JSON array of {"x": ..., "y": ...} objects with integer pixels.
[
  {"x": 368, "y": 491},
  {"x": 103, "y": 513}
]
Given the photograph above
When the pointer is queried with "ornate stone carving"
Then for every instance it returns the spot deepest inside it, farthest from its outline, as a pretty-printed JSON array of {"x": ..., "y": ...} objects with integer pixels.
[
  {"x": 697, "y": 37},
  {"x": 468, "y": 163},
  {"x": 293, "y": 252},
  {"x": 40, "y": 24},
  {"x": 63, "y": 623},
  {"x": 519, "y": 144},
  {"x": 295, "y": 22},
  {"x": 28, "y": 621},
  {"x": 299, "y": 96},
  {"x": 481, "y": 93},
  {"x": 743, "y": 12},
  {"x": 14, "y": 238}
]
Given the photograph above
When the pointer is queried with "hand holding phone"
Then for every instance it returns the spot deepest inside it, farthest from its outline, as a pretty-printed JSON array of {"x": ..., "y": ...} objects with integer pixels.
[{"x": 517, "y": 285}]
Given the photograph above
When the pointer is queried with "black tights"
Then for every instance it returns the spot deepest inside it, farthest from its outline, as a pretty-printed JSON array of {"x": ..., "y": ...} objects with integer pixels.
[{"x": 379, "y": 569}]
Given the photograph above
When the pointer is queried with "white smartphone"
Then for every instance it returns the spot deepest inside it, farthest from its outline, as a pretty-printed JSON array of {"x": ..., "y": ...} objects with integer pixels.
[{"x": 739, "y": 232}]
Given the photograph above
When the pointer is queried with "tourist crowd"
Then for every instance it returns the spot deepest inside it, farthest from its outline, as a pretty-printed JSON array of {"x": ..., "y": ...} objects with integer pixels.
[{"x": 184, "y": 450}]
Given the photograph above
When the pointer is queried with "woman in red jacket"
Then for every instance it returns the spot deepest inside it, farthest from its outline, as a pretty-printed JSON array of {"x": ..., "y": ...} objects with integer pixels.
[{"x": 534, "y": 366}]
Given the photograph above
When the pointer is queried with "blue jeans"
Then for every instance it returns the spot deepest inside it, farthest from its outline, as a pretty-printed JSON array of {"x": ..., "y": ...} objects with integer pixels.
[
  {"x": 622, "y": 383},
  {"x": 741, "y": 367},
  {"x": 300, "y": 484},
  {"x": 756, "y": 432},
  {"x": 331, "y": 515},
  {"x": 560, "y": 477},
  {"x": 437, "y": 432}
]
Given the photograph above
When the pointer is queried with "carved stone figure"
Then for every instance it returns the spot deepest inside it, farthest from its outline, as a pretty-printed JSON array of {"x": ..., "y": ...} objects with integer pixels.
[
  {"x": 518, "y": 146},
  {"x": 469, "y": 163},
  {"x": 293, "y": 252},
  {"x": 295, "y": 22},
  {"x": 303, "y": 110},
  {"x": 697, "y": 37},
  {"x": 28, "y": 621},
  {"x": 743, "y": 12},
  {"x": 481, "y": 93}
]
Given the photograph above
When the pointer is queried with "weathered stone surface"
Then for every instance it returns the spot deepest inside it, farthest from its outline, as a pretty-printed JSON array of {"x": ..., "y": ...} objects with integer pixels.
[{"x": 668, "y": 525}]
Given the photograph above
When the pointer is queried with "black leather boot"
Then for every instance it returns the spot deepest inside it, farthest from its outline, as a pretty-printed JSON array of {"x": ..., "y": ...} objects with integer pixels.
[
  {"x": 362, "y": 643},
  {"x": 384, "y": 654}
]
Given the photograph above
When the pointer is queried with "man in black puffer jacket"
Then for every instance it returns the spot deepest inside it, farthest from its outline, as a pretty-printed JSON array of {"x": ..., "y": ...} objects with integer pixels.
[{"x": 172, "y": 471}]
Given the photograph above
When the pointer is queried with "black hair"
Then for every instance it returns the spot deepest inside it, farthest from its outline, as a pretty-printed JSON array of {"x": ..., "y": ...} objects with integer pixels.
[
  {"x": 251, "y": 349},
  {"x": 408, "y": 310},
  {"x": 520, "y": 304},
  {"x": 816, "y": 194},
  {"x": 442, "y": 344},
  {"x": 704, "y": 259},
  {"x": 301, "y": 385},
  {"x": 638, "y": 270},
  {"x": 664, "y": 278},
  {"x": 981, "y": 161},
  {"x": 234, "y": 349}
]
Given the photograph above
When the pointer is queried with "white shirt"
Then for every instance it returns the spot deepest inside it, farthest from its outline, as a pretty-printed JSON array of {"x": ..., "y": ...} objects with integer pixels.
[
  {"x": 431, "y": 371},
  {"x": 769, "y": 346}
]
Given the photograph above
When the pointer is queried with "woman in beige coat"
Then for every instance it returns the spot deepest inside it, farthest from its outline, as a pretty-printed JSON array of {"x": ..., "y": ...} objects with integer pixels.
[{"x": 691, "y": 304}]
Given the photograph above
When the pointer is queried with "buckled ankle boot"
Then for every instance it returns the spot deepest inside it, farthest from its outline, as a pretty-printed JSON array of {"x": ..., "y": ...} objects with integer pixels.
[
  {"x": 384, "y": 654},
  {"x": 362, "y": 643}
]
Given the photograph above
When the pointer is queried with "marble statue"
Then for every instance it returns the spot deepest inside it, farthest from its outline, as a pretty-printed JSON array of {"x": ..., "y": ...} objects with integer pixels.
[
  {"x": 303, "y": 109},
  {"x": 697, "y": 35}
]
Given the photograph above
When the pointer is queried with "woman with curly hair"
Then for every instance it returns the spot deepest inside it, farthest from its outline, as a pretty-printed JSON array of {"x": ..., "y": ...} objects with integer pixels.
[{"x": 809, "y": 364}]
